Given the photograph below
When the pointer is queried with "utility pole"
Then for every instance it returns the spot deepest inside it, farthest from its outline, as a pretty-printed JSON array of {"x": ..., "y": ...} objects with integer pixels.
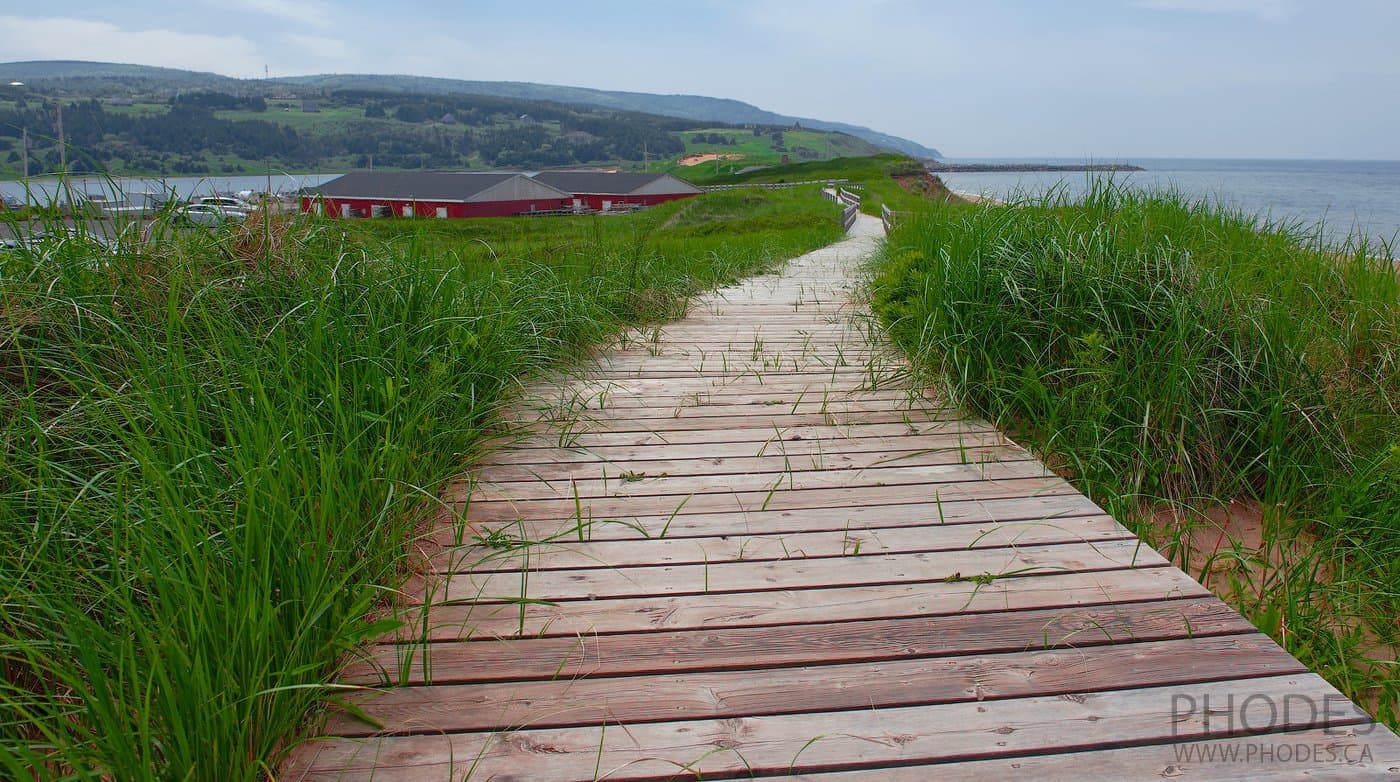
[
  {"x": 62, "y": 147},
  {"x": 24, "y": 145}
]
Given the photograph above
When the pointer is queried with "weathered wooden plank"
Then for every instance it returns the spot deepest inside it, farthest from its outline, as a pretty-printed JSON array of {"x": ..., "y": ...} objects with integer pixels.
[
  {"x": 853, "y": 379},
  {"x": 601, "y": 509},
  {"x": 503, "y": 552},
  {"x": 792, "y": 606},
  {"x": 636, "y": 699},
  {"x": 741, "y": 576},
  {"x": 775, "y": 313},
  {"x": 773, "y": 463},
  {"x": 699, "y": 343},
  {"x": 789, "y": 344},
  {"x": 740, "y": 338},
  {"x": 1350, "y": 754},
  {"x": 625, "y": 398},
  {"x": 548, "y": 437},
  {"x": 842, "y": 383},
  {"x": 681, "y": 486},
  {"x": 686, "y": 408},
  {"x": 773, "y": 418},
  {"x": 890, "y": 449},
  {"x": 832, "y": 741},
  {"x": 730, "y": 648},
  {"x": 796, "y": 360},
  {"x": 860, "y": 514}
]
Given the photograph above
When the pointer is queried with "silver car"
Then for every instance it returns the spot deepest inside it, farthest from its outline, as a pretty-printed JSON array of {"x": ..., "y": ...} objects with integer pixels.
[
  {"x": 226, "y": 203},
  {"x": 208, "y": 215}
]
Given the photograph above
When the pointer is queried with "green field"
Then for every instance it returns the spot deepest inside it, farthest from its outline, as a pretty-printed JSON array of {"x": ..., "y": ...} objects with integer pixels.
[
  {"x": 290, "y": 113},
  {"x": 218, "y": 449},
  {"x": 766, "y": 147},
  {"x": 876, "y": 175}
]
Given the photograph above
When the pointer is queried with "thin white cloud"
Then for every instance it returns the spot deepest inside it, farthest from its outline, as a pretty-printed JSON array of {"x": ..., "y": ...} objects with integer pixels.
[
  {"x": 320, "y": 47},
  {"x": 1268, "y": 10},
  {"x": 311, "y": 13},
  {"x": 62, "y": 38}
]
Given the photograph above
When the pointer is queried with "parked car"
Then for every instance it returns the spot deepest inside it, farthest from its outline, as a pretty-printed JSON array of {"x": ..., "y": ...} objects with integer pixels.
[
  {"x": 11, "y": 203},
  {"x": 227, "y": 203},
  {"x": 208, "y": 215}
]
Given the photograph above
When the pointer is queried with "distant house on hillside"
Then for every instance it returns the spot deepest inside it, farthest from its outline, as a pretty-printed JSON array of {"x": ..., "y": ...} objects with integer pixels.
[
  {"x": 121, "y": 102},
  {"x": 432, "y": 194},
  {"x": 604, "y": 191},
  {"x": 311, "y": 107},
  {"x": 448, "y": 119}
]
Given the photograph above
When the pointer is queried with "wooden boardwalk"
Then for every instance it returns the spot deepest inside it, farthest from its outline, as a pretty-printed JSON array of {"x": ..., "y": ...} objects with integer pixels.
[{"x": 740, "y": 545}]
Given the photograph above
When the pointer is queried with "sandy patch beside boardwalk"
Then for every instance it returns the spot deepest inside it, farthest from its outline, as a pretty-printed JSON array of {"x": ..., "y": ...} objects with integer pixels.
[{"x": 695, "y": 160}]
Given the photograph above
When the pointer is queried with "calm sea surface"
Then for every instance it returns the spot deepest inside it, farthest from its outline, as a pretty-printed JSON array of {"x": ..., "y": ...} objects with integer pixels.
[
  {"x": 126, "y": 188},
  {"x": 1344, "y": 197}
]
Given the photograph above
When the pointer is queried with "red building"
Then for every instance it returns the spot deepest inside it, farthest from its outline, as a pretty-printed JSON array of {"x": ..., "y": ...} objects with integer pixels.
[
  {"x": 603, "y": 191},
  {"x": 433, "y": 194}
]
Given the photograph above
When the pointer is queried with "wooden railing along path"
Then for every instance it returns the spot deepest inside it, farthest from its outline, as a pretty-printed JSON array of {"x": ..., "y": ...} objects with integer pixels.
[
  {"x": 851, "y": 202},
  {"x": 746, "y": 544},
  {"x": 784, "y": 185}
]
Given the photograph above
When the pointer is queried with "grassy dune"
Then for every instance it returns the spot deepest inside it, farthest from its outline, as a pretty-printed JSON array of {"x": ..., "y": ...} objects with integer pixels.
[
  {"x": 1174, "y": 357},
  {"x": 217, "y": 449}
]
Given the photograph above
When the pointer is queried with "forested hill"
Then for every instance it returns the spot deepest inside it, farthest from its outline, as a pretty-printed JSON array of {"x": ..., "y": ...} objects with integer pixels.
[
  {"x": 695, "y": 107},
  {"x": 211, "y": 132},
  {"x": 111, "y": 79}
]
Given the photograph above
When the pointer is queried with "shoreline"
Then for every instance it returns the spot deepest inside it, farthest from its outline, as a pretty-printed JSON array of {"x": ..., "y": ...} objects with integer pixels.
[
  {"x": 1025, "y": 168},
  {"x": 976, "y": 198}
]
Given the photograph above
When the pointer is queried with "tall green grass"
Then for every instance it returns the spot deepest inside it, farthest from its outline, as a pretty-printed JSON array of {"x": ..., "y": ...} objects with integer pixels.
[
  {"x": 217, "y": 449},
  {"x": 1171, "y": 352}
]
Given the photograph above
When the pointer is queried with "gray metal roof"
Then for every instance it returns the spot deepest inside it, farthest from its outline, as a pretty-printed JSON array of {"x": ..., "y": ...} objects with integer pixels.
[
  {"x": 606, "y": 183},
  {"x": 420, "y": 185}
]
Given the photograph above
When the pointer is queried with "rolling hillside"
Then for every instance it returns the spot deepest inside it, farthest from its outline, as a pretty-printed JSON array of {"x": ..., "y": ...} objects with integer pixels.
[
  {"x": 208, "y": 131},
  {"x": 116, "y": 79}
]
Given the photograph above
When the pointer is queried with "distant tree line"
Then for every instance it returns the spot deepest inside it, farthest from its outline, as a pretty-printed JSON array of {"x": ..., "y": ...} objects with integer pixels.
[
  {"x": 215, "y": 101},
  {"x": 718, "y": 139}
]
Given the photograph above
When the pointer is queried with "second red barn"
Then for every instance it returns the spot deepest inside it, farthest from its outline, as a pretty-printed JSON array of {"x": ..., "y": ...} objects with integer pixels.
[{"x": 604, "y": 191}]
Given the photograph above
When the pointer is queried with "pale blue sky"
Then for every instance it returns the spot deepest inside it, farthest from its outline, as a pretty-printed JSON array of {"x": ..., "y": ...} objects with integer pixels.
[{"x": 1100, "y": 78}]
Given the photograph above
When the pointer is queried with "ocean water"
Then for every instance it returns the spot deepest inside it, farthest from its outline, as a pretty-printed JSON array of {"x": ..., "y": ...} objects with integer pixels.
[
  {"x": 172, "y": 188},
  {"x": 1342, "y": 198}
]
